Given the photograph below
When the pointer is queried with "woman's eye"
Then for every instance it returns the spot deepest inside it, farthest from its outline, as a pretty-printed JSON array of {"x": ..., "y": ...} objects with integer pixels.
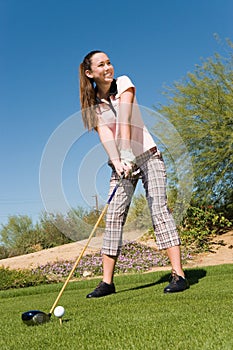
[{"x": 103, "y": 64}]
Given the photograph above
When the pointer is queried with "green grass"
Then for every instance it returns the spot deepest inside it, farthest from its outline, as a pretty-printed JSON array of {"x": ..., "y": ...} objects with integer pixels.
[{"x": 140, "y": 316}]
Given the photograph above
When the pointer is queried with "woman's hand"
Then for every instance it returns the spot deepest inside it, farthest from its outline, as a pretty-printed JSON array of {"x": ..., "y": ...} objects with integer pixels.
[
  {"x": 122, "y": 168},
  {"x": 118, "y": 166},
  {"x": 127, "y": 160}
]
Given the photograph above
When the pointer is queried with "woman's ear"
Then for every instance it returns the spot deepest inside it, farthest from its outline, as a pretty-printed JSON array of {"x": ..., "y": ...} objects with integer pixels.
[{"x": 88, "y": 73}]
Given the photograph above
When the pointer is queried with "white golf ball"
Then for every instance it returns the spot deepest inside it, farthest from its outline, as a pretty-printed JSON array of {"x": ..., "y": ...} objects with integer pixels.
[{"x": 59, "y": 311}]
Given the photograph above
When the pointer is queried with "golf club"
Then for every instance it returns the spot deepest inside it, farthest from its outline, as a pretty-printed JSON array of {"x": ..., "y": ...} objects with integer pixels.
[{"x": 36, "y": 317}]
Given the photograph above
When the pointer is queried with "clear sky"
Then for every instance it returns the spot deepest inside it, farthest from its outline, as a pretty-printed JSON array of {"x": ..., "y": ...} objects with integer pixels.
[{"x": 42, "y": 43}]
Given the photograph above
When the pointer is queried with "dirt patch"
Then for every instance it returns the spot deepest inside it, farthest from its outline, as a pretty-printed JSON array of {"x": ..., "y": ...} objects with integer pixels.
[{"x": 222, "y": 253}]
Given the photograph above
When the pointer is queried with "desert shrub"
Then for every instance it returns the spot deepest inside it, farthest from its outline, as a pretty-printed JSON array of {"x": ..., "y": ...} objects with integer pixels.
[
  {"x": 3, "y": 252},
  {"x": 200, "y": 225},
  {"x": 19, "y": 278}
]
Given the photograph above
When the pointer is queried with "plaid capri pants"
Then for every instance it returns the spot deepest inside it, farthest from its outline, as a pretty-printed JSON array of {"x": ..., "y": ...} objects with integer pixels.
[{"x": 153, "y": 175}]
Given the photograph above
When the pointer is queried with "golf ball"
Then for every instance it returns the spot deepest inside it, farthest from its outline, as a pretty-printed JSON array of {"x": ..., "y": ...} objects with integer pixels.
[{"x": 59, "y": 311}]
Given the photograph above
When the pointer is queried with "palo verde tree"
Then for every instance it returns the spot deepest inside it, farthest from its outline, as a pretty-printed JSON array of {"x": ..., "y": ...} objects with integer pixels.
[
  {"x": 200, "y": 107},
  {"x": 19, "y": 236}
]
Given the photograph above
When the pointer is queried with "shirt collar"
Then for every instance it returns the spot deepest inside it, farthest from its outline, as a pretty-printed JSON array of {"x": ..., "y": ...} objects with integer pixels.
[{"x": 112, "y": 91}]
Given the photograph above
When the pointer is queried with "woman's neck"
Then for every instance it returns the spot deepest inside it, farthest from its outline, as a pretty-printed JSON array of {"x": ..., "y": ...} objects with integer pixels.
[{"x": 103, "y": 91}]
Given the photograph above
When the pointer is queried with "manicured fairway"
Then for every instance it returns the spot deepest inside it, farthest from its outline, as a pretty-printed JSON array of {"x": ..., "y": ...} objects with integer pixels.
[{"x": 139, "y": 316}]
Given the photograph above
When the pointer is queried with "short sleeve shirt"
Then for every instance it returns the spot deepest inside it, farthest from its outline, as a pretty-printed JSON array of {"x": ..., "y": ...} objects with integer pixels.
[{"x": 108, "y": 113}]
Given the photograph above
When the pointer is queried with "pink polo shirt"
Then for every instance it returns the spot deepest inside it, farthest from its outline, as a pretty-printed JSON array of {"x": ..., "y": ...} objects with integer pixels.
[{"x": 141, "y": 140}]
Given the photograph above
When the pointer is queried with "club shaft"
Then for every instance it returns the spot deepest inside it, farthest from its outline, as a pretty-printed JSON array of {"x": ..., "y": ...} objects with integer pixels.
[{"x": 86, "y": 245}]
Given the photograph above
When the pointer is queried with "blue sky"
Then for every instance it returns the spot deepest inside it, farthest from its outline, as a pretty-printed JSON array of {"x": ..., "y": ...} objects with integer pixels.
[{"x": 42, "y": 43}]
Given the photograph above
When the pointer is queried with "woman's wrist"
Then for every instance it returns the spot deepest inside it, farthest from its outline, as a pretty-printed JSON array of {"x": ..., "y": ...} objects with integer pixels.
[
  {"x": 117, "y": 166},
  {"x": 127, "y": 156}
]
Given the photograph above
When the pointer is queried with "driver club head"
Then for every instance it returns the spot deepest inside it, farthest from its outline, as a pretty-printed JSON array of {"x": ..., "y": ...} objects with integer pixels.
[{"x": 35, "y": 317}]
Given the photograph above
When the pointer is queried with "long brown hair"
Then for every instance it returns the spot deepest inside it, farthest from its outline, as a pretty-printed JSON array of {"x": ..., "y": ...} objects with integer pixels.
[{"x": 87, "y": 93}]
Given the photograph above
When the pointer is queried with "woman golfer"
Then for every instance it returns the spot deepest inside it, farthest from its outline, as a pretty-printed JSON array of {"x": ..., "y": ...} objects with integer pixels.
[{"x": 109, "y": 106}]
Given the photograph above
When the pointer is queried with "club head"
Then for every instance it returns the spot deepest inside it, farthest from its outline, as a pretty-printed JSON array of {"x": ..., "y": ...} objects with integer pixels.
[{"x": 35, "y": 317}]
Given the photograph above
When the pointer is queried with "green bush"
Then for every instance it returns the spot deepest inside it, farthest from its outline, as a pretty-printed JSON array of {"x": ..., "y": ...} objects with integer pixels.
[
  {"x": 3, "y": 252},
  {"x": 19, "y": 278},
  {"x": 200, "y": 225}
]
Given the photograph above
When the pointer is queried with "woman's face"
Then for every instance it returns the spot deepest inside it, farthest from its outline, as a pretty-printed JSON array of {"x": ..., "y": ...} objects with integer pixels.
[{"x": 101, "y": 70}]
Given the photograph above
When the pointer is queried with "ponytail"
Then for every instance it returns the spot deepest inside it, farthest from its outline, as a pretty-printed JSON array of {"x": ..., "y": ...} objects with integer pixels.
[{"x": 87, "y": 93}]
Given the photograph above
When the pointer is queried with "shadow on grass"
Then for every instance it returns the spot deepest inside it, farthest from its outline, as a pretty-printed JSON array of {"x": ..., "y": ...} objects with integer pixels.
[{"x": 193, "y": 276}]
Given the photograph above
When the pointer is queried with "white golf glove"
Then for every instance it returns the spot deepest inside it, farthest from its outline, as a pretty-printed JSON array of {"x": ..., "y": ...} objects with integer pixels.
[{"x": 127, "y": 157}]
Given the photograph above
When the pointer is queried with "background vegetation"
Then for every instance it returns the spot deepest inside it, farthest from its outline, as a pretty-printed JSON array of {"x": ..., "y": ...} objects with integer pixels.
[
  {"x": 200, "y": 107},
  {"x": 20, "y": 236}
]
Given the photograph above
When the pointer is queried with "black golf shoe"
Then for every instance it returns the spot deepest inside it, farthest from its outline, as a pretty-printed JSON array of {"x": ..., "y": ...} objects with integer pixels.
[
  {"x": 177, "y": 284},
  {"x": 102, "y": 290}
]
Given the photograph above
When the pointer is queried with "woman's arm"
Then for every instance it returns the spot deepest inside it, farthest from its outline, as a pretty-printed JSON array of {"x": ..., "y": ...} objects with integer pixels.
[
  {"x": 122, "y": 162},
  {"x": 125, "y": 112},
  {"x": 107, "y": 139}
]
